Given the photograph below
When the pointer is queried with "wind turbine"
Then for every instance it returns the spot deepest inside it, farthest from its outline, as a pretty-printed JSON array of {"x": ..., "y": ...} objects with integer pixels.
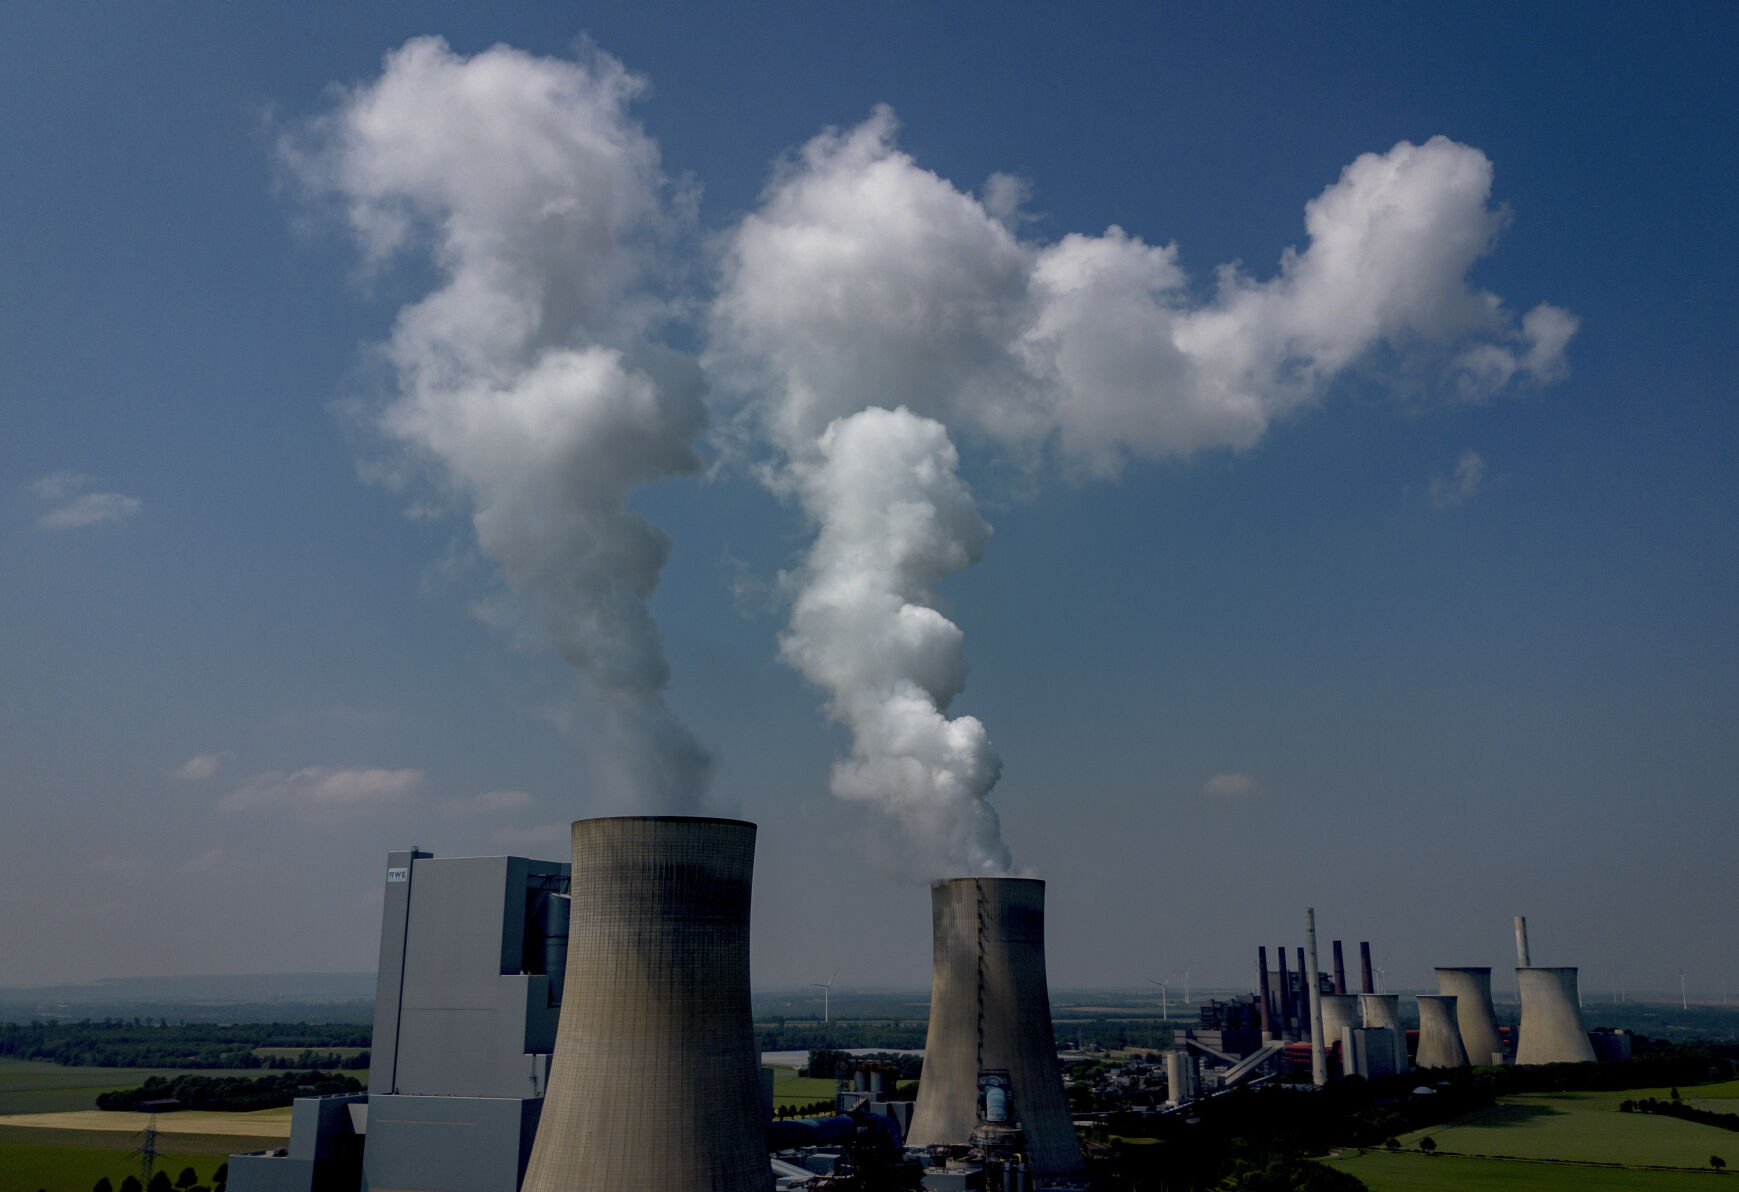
[
  {"x": 1382, "y": 987},
  {"x": 1186, "y": 987},
  {"x": 1683, "y": 1004},
  {"x": 1164, "y": 1004},
  {"x": 826, "y": 988}
]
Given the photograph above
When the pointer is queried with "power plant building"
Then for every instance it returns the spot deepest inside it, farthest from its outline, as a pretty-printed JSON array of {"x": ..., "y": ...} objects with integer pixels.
[{"x": 990, "y": 1016}]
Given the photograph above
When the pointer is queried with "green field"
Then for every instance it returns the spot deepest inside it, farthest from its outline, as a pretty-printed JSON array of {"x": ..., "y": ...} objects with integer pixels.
[
  {"x": 1383, "y": 1172},
  {"x": 32, "y": 1086},
  {"x": 1546, "y": 1141},
  {"x": 26, "y": 1168},
  {"x": 790, "y": 1089}
]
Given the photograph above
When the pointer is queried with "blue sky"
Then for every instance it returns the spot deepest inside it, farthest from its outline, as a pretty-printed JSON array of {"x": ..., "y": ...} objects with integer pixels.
[{"x": 1419, "y": 661}]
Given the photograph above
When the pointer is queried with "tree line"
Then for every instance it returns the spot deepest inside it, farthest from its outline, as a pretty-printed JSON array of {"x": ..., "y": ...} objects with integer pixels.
[
  {"x": 231, "y": 1093},
  {"x": 144, "y": 1043}
]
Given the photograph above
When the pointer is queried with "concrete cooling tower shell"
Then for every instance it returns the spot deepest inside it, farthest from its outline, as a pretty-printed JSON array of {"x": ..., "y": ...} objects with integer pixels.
[
  {"x": 1471, "y": 988},
  {"x": 1552, "y": 1028},
  {"x": 655, "y": 1082},
  {"x": 1382, "y": 1011},
  {"x": 1439, "y": 1037},
  {"x": 1338, "y": 1010},
  {"x": 990, "y": 1008}
]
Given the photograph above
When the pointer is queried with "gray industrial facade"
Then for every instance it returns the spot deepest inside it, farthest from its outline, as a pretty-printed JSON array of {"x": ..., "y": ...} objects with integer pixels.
[{"x": 472, "y": 956}]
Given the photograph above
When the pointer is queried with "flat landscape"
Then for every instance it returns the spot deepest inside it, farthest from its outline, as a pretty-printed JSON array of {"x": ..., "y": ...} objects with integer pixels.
[
  {"x": 33, "y": 1086},
  {"x": 1560, "y": 1141}
]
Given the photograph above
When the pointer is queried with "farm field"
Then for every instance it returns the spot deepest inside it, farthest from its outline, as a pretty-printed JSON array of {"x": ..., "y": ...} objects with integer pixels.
[
  {"x": 790, "y": 1089},
  {"x": 32, "y": 1086},
  {"x": 259, "y": 1123},
  {"x": 1382, "y": 1172},
  {"x": 25, "y": 1167}
]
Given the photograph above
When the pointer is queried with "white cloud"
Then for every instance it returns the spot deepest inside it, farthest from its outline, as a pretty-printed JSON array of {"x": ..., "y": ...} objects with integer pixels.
[
  {"x": 554, "y": 839},
  {"x": 204, "y": 863},
  {"x": 1457, "y": 487},
  {"x": 325, "y": 791},
  {"x": 489, "y": 803},
  {"x": 1231, "y": 786},
  {"x": 200, "y": 766},
  {"x": 75, "y": 506}
]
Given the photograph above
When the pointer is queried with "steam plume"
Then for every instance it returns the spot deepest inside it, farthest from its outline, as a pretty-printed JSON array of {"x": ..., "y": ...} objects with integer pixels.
[
  {"x": 527, "y": 387},
  {"x": 864, "y": 281}
]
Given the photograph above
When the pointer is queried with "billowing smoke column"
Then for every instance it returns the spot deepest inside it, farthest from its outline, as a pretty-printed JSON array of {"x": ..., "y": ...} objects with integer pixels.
[
  {"x": 655, "y": 1081},
  {"x": 526, "y": 387},
  {"x": 865, "y": 286},
  {"x": 990, "y": 1009},
  {"x": 1474, "y": 1014},
  {"x": 1439, "y": 1038}
]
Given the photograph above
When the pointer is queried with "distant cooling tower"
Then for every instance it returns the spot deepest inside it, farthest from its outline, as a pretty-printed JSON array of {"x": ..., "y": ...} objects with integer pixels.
[
  {"x": 1439, "y": 1037},
  {"x": 1552, "y": 1028},
  {"x": 1338, "y": 1010},
  {"x": 1471, "y": 988},
  {"x": 990, "y": 1008},
  {"x": 655, "y": 1084},
  {"x": 1383, "y": 1011}
]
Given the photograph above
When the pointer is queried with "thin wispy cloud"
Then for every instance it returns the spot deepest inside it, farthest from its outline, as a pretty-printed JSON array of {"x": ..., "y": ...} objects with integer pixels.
[
  {"x": 553, "y": 838},
  {"x": 200, "y": 766},
  {"x": 489, "y": 803},
  {"x": 1457, "y": 487},
  {"x": 325, "y": 791},
  {"x": 74, "y": 501},
  {"x": 1232, "y": 786}
]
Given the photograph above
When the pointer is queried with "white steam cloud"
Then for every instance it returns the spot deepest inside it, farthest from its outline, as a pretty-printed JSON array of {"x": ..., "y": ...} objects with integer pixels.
[
  {"x": 864, "y": 282},
  {"x": 528, "y": 389}
]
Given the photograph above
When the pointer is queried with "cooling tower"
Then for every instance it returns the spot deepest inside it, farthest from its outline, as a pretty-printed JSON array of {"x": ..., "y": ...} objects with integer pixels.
[
  {"x": 1383, "y": 1010},
  {"x": 1338, "y": 1010},
  {"x": 1552, "y": 1027},
  {"x": 1439, "y": 1037},
  {"x": 1471, "y": 988},
  {"x": 655, "y": 1083},
  {"x": 990, "y": 1008}
]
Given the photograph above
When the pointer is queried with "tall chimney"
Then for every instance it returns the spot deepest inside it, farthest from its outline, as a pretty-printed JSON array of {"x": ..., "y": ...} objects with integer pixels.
[
  {"x": 1285, "y": 1031},
  {"x": 1365, "y": 967},
  {"x": 1522, "y": 942},
  {"x": 1340, "y": 972},
  {"x": 990, "y": 1008},
  {"x": 1318, "y": 1058},
  {"x": 1306, "y": 979},
  {"x": 1262, "y": 1000},
  {"x": 655, "y": 1083}
]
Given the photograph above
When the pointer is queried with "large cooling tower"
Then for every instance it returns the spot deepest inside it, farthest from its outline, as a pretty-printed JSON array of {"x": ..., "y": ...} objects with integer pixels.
[
  {"x": 990, "y": 1009},
  {"x": 1439, "y": 1037},
  {"x": 1382, "y": 1011},
  {"x": 655, "y": 1083},
  {"x": 1471, "y": 988},
  {"x": 1552, "y": 1027}
]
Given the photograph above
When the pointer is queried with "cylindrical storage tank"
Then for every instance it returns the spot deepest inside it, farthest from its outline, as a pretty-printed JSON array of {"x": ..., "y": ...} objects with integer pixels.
[
  {"x": 990, "y": 1008},
  {"x": 1177, "y": 1084},
  {"x": 1382, "y": 1010},
  {"x": 1552, "y": 1028},
  {"x": 1471, "y": 988},
  {"x": 655, "y": 1080},
  {"x": 1338, "y": 1010},
  {"x": 1439, "y": 1037}
]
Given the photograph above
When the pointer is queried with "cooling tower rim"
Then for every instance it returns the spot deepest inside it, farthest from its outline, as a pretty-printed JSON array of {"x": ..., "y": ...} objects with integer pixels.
[
  {"x": 954, "y": 881},
  {"x": 1547, "y": 968},
  {"x": 1464, "y": 968},
  {"x": 664, "y": 819}
]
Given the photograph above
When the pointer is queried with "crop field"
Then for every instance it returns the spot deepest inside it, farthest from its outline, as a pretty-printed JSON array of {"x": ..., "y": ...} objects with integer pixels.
[
  {"x": 1549, "y": 1140},
  {"x": 25, "y": 1167},
  {"x": 790, "y": 1089},
  {"x": 258, "y": 1123},
  {"x": 31, "y": 1086}
]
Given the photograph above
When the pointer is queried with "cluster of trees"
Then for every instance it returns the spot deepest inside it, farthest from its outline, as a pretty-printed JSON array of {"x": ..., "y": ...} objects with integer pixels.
[
  {"x": 144, "y": 1043},
  {"x": 830, "y": 1064},
  {"x": 807, "y": 1036},
  {"x": 234, "y": 1093},
  {"x": 1677, "y": 1108},
  {"x": 1115, "y": 1034},
  {"x": 187, "y": 1181}
]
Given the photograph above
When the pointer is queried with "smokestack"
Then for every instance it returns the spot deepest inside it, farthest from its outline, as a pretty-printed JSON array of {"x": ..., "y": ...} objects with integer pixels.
[
  {"x": 1552, "y": 1028},
  {"x": 1285, "y": 1031},
  {"x": 990, "y": 1008},
  {"x": 1262, "y": 1001},
  {"x": 655, "y": 1082},
  {"x": 1365, "y": 967},
  {"x": 1340, "y": 972},
  {"x": 1304, "y": 983},
  {"x": 1522, "y": 942},
  {"x": 1318, "y": 1058},
  {"x": 1439, "y": 1037},
  {"x": 1474, "y": 1016}
]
